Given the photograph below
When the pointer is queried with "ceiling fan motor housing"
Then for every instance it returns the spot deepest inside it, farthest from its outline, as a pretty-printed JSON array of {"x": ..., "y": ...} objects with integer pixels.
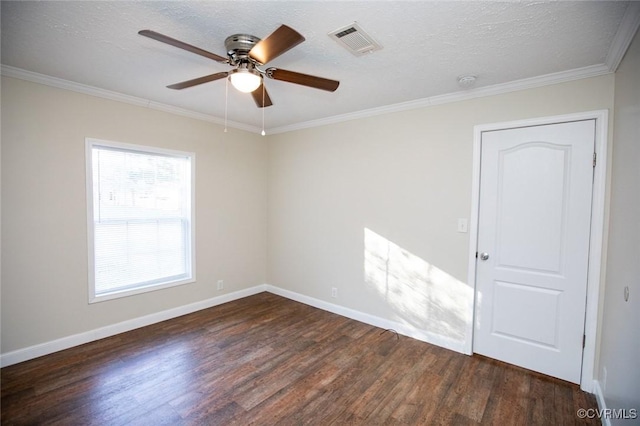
[{"x": 238, "y": 47}]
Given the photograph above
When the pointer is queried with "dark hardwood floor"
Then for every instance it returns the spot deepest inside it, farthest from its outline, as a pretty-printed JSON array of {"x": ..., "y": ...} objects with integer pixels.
[{"x": 267, "y": 360}]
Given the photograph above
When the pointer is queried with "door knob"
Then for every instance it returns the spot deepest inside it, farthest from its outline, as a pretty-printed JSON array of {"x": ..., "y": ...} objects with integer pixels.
[{"x": 484, "y": 256}]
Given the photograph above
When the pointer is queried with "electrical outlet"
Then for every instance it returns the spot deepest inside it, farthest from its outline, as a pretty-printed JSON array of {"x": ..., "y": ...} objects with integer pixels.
[
  {"x": 220, "y": 285},
  {"x": 334, "y": 292},
  {"x": 626, "y": 294}
]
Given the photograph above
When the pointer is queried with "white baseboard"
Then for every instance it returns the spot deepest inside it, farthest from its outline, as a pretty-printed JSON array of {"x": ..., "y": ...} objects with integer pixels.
[
  {"x": 46, "y": 348},
  {"x": 401, "y": 328},
  {"x": 602, "y": 404}
]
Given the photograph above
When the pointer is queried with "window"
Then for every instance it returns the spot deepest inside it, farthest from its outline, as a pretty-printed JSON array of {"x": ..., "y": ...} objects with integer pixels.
[{"x": 140, "y": 218}]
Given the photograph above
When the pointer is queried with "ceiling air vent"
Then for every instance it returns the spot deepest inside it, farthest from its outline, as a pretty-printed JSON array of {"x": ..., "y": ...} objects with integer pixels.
[{"x": 355, "y": 40}]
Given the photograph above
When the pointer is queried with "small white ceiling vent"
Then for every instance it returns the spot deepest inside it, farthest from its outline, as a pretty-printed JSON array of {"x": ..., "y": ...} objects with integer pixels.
[{"x": 355, "y": 39}]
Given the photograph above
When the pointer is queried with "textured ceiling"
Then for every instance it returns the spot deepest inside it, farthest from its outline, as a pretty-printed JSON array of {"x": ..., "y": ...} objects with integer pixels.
[{"x": 426, "y": 46}]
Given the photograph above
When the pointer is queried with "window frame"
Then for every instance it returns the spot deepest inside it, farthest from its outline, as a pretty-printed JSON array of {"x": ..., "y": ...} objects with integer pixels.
[{"x": 90, "y": 144}]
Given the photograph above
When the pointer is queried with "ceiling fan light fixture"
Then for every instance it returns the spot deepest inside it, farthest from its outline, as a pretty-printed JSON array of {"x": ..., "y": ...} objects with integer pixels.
[{"x": 245, "y": 80}]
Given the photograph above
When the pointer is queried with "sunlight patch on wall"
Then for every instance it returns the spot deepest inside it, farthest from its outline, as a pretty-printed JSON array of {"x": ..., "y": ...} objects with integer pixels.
[{"x": 421, "y": 295}]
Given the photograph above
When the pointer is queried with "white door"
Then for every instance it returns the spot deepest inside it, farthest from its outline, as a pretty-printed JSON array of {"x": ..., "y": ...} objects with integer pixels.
[{"x": 533, "y": 246}]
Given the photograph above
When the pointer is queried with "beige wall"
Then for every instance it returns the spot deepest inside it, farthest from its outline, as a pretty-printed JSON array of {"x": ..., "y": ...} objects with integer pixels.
[
  {"x": 371, "y": 206},
  {"x": 620, "y": 343},
  {"x": 365, "y": 206},
  {"x": 44, "y": 236}
]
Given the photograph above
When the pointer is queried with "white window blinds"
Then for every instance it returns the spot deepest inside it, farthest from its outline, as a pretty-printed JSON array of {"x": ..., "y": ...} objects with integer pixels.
[{"x": 141, "y": 218}]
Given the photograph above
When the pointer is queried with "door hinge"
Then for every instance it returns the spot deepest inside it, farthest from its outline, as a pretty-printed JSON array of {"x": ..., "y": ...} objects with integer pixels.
[
  {"x": 594, "y": 159},
  {"x": 584, "y": 340}
]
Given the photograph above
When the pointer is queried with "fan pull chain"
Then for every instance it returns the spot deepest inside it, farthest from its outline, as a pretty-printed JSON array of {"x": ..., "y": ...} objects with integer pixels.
[
  {"x": 226, "y": 102},
  {"x": 263, "y": 133}
]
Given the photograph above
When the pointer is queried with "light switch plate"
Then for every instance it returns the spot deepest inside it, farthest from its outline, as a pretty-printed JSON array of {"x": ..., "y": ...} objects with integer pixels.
[{"x": 463, "y": 225}]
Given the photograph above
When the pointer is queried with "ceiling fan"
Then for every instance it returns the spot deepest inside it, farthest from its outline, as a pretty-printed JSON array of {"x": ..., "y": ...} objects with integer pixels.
[{"x": 247, "y": 53}]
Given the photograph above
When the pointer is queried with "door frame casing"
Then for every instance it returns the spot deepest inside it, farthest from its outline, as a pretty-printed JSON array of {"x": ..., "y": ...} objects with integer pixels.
[{"x": 596, "y": 240}]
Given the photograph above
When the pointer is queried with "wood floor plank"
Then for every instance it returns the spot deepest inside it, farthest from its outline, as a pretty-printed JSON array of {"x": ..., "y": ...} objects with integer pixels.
[
  {"x": 434, "y": 410},
  {"x": 423, "y": 395},
  {"x": 267, "y": 360}
]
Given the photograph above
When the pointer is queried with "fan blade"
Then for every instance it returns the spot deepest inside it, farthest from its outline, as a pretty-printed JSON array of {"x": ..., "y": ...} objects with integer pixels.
[
  {"x": 261, "y": 97},
  {"x": 303, "y": 79},
  {"x": 199, "y": 80},
  {"x": 281, "y": 40},
  {"x": 181, "y": 45}
]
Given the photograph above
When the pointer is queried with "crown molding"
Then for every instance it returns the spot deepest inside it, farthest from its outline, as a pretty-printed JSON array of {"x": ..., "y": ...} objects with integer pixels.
[
  {"x": 59, "y": 83},
  {"x": 497, "y": 89},
  {"x": 624, "y": 36}
]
